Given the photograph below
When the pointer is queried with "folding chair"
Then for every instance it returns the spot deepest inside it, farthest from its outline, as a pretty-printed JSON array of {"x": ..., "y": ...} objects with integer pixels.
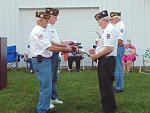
[
  {"x": 145, "y": 60},
  {"x": 12, "y": 58},
  {"x": 82, "y": 66}
]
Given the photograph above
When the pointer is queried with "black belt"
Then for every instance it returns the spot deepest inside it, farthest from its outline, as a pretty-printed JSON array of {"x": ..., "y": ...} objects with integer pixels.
[
  {"x": 106, "y": 57},
  {"x": 40, "y": 58},
  {"x": 43, "y": 57}
]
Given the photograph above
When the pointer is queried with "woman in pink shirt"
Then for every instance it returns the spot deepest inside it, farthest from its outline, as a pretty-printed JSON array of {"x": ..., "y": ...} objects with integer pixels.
[{"x": 129, "y": 56}]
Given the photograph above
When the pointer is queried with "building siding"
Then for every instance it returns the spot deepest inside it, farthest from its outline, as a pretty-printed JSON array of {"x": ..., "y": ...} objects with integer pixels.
[
  {"x": 8, "y": 20},
  {"x": 58, "y": 3}
]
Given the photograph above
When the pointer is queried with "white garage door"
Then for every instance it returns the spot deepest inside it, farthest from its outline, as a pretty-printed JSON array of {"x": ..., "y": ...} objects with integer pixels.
[{"x": 73, "y": 24}]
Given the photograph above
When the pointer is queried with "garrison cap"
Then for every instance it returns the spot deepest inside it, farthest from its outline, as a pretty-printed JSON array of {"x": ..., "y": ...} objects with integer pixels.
[
  {"x": 113, "y": 14},
  {"x": 101, "y": 14},
  {"x": 42, "y": 14},
  {"x": 52, "y": 11}
]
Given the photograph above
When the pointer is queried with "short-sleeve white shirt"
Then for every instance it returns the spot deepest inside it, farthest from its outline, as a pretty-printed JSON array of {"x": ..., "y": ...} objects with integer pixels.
[
  {"x": 108, "y": 38},
  {"x": 53, "y": 34},
  {"x": 120, "y": 28},
  {"x": 39, "y": 42}
]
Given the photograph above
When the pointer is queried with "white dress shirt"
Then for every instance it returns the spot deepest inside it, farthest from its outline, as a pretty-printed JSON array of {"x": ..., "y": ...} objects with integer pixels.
[
  {"x": 39, "y": 42},
  {"x": 108, "y": 38}
]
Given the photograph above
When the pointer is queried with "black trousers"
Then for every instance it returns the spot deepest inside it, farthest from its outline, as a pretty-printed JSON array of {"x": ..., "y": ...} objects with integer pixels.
[
  {"x": 74, "y": 58},
  {"x": 106, "y": 69}
]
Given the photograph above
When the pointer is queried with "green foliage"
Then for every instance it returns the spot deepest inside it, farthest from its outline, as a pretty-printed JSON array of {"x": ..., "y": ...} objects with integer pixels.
[{"x": 79, "y": 91}]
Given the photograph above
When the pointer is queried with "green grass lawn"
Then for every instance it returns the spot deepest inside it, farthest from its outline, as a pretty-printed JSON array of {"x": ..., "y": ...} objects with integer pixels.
[{"x": 79, "y": 91}]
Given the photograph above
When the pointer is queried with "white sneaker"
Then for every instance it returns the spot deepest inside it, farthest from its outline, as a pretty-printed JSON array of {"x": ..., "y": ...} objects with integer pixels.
[
  {"x": 31, "y": 71},
  {"x": 56, "y": 101},
  {"x": 51, "y": 106}
]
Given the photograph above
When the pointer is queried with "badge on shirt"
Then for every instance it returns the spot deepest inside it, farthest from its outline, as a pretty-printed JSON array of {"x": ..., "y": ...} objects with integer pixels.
[
  {"x": 108, "y": 36},
  {"x": 121, "y": 30}
]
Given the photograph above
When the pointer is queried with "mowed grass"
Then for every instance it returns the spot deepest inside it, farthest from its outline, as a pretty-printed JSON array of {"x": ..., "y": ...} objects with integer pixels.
[{"x": 79, "y": 91}]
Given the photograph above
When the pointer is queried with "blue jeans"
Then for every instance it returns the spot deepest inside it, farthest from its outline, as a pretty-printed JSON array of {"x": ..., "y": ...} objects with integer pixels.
[
  {"x": 119, "y": 74},
  {"x": 44, "y": 74},
  {"x": 55, "y": 66}
]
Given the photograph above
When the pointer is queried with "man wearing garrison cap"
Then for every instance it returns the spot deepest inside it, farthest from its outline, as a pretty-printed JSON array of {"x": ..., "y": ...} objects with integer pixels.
[
  {"x": 55, "y": 40},
  {"x": 120, "y": 28},
  {"x": 105, "y": 54},
  {"x": 41, "y": 52},
  {"x": 52, "y": 11}
]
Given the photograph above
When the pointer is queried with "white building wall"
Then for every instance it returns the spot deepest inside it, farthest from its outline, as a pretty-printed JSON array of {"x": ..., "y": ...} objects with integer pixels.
[
  {"x": 57, "y": 3},
  {"x": 136, "y": 16},
  {"x": 8, "y": 20}
]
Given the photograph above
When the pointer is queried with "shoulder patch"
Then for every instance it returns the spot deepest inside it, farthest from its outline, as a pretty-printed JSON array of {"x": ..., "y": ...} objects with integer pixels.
[{"x": 108, "y": 36}]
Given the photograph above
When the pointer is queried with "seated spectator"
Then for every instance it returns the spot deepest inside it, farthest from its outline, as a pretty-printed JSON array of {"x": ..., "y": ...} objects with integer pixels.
[
  {"x": 129, "y": 56},
  {"x": 74, "y": 56},
  {"x": 28, "y": 59}
]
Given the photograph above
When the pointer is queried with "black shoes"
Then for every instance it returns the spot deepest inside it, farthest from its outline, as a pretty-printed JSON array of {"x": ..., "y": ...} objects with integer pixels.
[
  {"x": 53, "y": 110},
  {"x": 115, "y": 110},
  {"x": 104, "y": 112},
  {"x": 118, "y": 91}
]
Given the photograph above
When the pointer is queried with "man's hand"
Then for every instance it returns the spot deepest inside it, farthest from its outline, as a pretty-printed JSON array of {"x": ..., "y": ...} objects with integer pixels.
[
  {"x": 93, "y": 56},
  {"x": 65, "y": 44},
  {"x": 68, "y": 49},
  {"x": 92, "y": 51}
]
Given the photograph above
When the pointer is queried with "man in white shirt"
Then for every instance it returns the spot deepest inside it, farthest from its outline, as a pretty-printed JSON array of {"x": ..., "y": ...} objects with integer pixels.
[
  {"x": 41, "y": 52},
  {"x": 55, "y": 40},
  {"x": 105, "y": 54},
  {"x": 120, "y": 28}
]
